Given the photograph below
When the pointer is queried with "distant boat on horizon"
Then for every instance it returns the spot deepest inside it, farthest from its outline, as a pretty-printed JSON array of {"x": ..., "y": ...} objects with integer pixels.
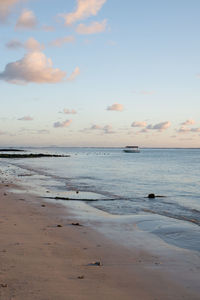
[{"x": 131, "y": 149}]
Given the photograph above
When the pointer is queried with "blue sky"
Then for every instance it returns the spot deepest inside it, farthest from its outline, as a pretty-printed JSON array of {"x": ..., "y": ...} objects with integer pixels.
[{"x": 121, "y": 72}]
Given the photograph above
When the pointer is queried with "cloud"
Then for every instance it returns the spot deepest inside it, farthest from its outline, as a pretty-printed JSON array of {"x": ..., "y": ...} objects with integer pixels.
[
  {"x": 68, "y": 111},
  {"x": 61, "y": 41},
  {"x": 195, "y": 129},
  {"x": 188, "y": 130},
  {"x": 74, "y": 74},
  {"x": 14, "y": 44},
  {"x": 144, "y": 130},
  {"x": 139, "y": 124},
  {"x": 42, "y": 131},
  {"x": 26, "y": 118},
  {"x": 33, "y": 67},
  {"x": 96, "y": 127},
  {"x": 94, "y": 27},
  {"x": 183, "y": 129},
  {"x": 6, "y": 7},
  {"x": 62, "y": 124},
  {"x": 27, "y": 20},
  {"x": 116, "y": 107},
  {"x": 188, "y": 122},
  {"x": 160, "y": 126},
  {"x": 31, "y": 45},
  {"x": 107, "y": 129},
  {"x": 84, "y": 9}
]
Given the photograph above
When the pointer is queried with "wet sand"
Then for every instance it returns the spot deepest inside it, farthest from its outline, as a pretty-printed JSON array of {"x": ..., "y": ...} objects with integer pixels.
[{"x": 44, "y": 257}]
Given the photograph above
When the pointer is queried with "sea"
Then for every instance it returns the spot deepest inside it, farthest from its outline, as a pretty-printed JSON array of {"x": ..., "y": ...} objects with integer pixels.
[{"x": 116, "y": 182}]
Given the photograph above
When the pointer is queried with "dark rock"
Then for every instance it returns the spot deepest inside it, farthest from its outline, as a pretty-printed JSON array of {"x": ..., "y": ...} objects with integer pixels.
[
  {"x": 76, "y": 224},
  {"x": 96, "y": 263},
  {"x": 151, "y": 196},
  {"x": 59, "y": 225},
  {"x": 80, "y": 277},
  {"x": 43, "y": 205}
]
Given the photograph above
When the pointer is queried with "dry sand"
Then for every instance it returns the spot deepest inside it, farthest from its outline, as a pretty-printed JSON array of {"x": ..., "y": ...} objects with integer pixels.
[{"x": 41, "y": 261}]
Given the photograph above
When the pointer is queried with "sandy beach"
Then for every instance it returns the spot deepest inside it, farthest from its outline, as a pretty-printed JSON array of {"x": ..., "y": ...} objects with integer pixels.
[{"x": 44, "y": 257}]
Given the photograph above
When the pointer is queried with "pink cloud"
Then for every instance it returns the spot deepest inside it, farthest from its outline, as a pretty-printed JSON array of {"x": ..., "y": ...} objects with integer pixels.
[
  {"x": 188, "y": 122},
  {"x": 6, "y": 7},
  {"x": 116, "y": 107},
  {"x": 62, "y": 124},
  {"x": 61, "y": 41},
  {"x": 139, "y": 124},
  {"x": 26, "y": 118},
  {"x": 33, "y": 67},
  {"x": 107, "y": 129},
  {"x": 84, "y": 9},
  {"x": 31, "y": 45},
  {"x": 68, "y": 111},
  {"x": 96, "y": 127},
  {"x": 74, "y": 74},
  {"x": 94, "y": 27},
  {"x": 188, "y": 130},
  {"x": 27, "y": 20}
]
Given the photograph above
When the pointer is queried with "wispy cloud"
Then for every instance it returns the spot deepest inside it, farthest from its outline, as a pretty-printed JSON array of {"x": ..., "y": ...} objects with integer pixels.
[
  {"x": 94, "y": 27},
  {"x": 84, "y": 9},
  {"x": 116, "y": 107},
  {"x": 26, "y": 118},
  {"x": 33, "y": 67},
  {"x": 61, "y": 41},
  {"x": 96, "y": 127},
  {"x": 14, "y": 44},
  {"x": 27, "y": 20},
  {"x": 6, "y": 7},
  {"x": 63, "y": 124},
  {"x": 107, "y": 129},
  {"x": 188, "y": 122},
  {"x": 139, "y": 124},
  {"x": 74, "y": 74},
  {"x": 31, "y": 45},
  {"x": 160, "y": 126},
  {"x": 42, "y": 131},
  {"x": 183, "y": 130},
  {"x": 69, "y": 112}
]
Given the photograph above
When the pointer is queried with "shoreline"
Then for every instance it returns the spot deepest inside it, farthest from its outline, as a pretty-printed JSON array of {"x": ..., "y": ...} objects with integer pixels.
[{"x": 41, "y": 260}]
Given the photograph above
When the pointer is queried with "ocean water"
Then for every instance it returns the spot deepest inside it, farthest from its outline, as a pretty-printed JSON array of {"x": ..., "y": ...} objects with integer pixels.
[{"x": 118, "y": 182}]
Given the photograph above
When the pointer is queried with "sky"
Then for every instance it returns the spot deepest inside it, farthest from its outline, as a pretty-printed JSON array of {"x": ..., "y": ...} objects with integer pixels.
[{"x": 100, "y": 73}]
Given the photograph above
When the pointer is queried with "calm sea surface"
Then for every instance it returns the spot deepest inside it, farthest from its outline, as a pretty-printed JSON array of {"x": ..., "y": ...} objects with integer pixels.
[{"x": 120, "y": 182}]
